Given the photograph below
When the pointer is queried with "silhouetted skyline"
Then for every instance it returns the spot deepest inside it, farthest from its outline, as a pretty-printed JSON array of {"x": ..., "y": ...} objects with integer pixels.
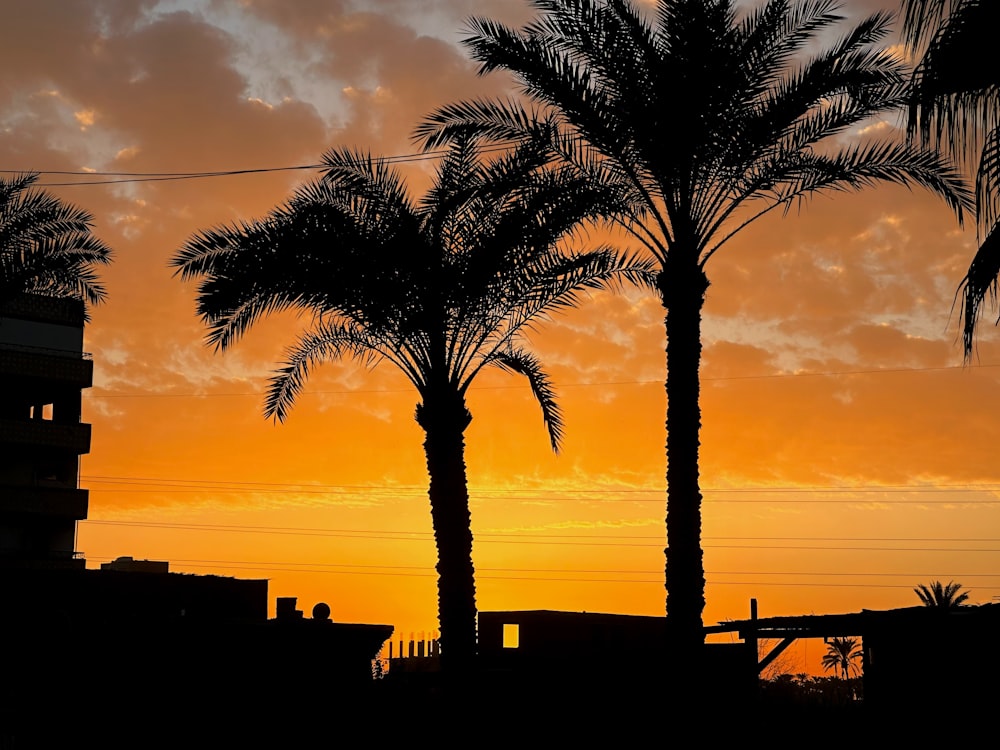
[{"x": 832, "y": 372}]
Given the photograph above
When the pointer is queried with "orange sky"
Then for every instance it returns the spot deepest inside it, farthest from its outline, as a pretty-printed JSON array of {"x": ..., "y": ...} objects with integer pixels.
[{"x": 847, "y": 454}]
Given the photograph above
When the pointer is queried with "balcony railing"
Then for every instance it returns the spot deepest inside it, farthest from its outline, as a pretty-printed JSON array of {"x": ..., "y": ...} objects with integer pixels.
[
  {"x": 74, "y": 438},
  {"x": 44, "y": 308},
  {"x": 54, "y": 560},
  {"x": 46, "y": 364},
  {"x": 45, "y": 501}
]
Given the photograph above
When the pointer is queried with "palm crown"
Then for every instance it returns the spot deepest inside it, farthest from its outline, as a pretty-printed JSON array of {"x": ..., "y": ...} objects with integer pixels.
[
  {"x": 440, "y": 288},
  {"x": 941, "y": 595},
  {"x": 709, "y": 121},
  {"x": 46, "y": 245},
  {"x": 705, "y": 121},
  {"x": 842, "y": 654}
]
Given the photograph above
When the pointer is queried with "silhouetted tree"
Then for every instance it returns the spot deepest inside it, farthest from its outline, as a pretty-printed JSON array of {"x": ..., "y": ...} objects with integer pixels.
[
  {"x": 956, "y": 105},
  {"x": 941, "y": 595},
  {"x": 441, "y": 289},
  {"x": 707, "y": 121},
  {"x": 842, "y": 654},
  {"x": 782, "y": 665},
  {"x": 46, "y": 245}
]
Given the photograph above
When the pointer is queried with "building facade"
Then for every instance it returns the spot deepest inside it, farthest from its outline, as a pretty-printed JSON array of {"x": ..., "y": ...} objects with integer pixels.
[{"x": 43, "y": 371}]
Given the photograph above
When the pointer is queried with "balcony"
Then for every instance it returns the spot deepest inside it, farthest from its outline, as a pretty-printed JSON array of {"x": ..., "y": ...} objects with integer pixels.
[
  {"x": 73, "y": 438},
  {"x": 43, "y": 308},
  {"x": 45, "y": 501},
  {"x": 19, "y": 560},
  {"x": 34, "y": 363}
]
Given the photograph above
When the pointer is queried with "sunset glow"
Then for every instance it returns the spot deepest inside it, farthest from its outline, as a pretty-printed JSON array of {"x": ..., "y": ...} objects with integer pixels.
[{"x": 847, "y": 454}]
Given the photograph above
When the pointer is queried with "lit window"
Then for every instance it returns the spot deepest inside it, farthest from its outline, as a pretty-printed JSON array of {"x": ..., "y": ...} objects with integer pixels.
[{"x": 511, "y": 635}]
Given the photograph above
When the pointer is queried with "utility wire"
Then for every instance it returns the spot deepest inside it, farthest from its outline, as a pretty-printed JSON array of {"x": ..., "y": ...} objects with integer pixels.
[
  {"x": 269, "y": 568},
  {"x": 430, "y": 568},
  {"x": 427, "y": 535},
  {"x": 475, "y": 497},
  {"x": 217, "y": 484},
  {"x": 526, "y": 539},
  {"x": 135, "y": 177},
  {"x": 604, "y": 384}
]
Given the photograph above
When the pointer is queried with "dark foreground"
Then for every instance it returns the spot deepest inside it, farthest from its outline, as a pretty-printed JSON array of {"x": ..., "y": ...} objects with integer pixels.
[{"x": 490, "y": 713}]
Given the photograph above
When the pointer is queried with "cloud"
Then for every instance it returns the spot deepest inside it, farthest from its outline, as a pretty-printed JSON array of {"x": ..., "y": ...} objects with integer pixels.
[{"x": 829, "y": 355}]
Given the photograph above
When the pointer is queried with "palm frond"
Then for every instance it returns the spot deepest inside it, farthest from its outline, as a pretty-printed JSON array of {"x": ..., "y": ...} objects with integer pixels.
[
  {"x": 367, "y": 177},
  {"x": 519, "y": 361},
  {"x": 978, "y": 286},
  {"x": 956, "y": 84},
  {"x": 326, "y": 342},
  {"x": 772, "y": 34},
  {"x": 496, "y": 121},
  {"x": 560, "y": 280},
  {"x": 955, "y": 105},
  {"x": 988, "y": 183},
  {"x": 867, "y": 165},
  {"x": 326, "y": 250},
  {"x": 47, "y": 246},
  {"x": 921, "y": 19}
]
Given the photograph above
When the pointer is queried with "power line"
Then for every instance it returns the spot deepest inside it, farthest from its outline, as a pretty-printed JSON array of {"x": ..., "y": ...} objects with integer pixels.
[
  {"x": 430, "y": 568},
  {"x": 547, "y": 540},
  {"x": 136, "y": 177},
  {"x": 603, "y": 500},
  {"x": 427, "y": 536},
  {"x": 173, "y": 178},
  {"x": 210, "y": 173},
  {"x": 596, "y": 384},
  {"x": 272, "y": 568},
  {"x": 214, "y": 485}
]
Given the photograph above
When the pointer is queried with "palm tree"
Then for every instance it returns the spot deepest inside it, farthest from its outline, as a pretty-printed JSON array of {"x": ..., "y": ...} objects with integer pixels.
[
  {"x": 46, "y": 246},
  {"x": 956, "y": 105},
  {"x": 842, "y": 654},
  {"x": 942, "y": 596},
  {"x": 441, "y": 289},
  {"x": 706, "y": 122}
]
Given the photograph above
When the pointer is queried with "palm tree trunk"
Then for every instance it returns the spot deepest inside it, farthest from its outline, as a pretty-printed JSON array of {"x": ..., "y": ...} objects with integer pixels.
[
  {"x": 682, "y": 285},
  {"x": 444, "y": 419}
]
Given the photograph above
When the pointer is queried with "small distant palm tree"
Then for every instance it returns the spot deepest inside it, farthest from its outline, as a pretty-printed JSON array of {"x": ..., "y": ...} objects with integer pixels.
[
  {"x": 843, "y": 654},
  {"x": 942, "y": 596},
  {"x": 46, "y": 245}
]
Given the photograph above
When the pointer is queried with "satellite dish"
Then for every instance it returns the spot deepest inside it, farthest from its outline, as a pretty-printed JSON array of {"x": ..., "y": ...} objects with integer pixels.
[{"x": 321, "y": 611}]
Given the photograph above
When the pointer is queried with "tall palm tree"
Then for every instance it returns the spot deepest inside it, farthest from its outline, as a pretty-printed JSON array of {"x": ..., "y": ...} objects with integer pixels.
[
  {"x": 46, "y": 246},
  {"x": 942, "y": 595},
  {"x": 440, "y": 288},
  {"x": 707, "y": 122},
  {"x": 843, "y": 654},
  {"x": 956, "y": 105}
]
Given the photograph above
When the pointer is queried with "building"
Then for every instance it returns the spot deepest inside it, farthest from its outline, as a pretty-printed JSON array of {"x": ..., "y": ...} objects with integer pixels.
[
  {"x": 124, "y": 653},
  {"x": 130, "y": 651},
  {"x": 539, "y": 641},
  {"x": 43, "y": 371},
  {"x": 914, "y": 658},
  {"x": 602, "y": 661}
]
